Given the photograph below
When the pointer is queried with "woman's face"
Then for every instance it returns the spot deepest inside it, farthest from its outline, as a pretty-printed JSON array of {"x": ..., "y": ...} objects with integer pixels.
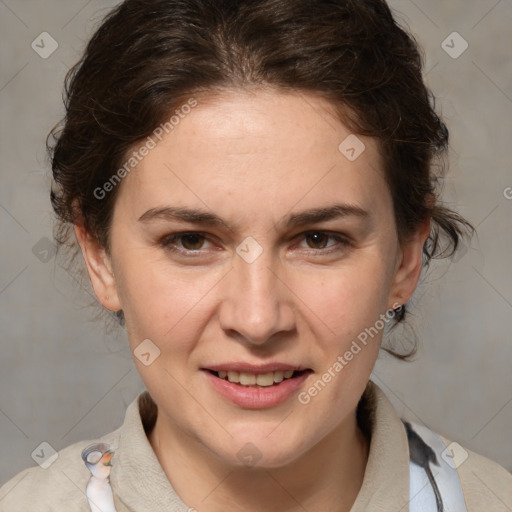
[{"x": 292, "y": 262}]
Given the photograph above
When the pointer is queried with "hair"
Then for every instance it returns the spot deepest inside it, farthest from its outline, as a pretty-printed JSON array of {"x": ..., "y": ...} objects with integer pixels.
[{"x": 148, "y": 56}]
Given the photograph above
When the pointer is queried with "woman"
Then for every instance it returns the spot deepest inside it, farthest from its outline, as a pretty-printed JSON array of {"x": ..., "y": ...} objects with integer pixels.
[{"x": 252, "y": 187}]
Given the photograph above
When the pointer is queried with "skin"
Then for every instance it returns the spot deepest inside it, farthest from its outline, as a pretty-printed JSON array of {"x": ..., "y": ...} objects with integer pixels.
[{"x": 253, "y": 159}]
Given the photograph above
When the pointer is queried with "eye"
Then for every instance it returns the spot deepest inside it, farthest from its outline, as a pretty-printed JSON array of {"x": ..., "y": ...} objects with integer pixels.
[
  {"x": 317, "y": 240},
  {"x": 190, "y": 242}
]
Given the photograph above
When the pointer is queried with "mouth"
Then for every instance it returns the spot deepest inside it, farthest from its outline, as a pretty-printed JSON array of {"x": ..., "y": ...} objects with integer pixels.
[
  {"x": 259, "y": 386},
  {"x": 257, "y": 380}
]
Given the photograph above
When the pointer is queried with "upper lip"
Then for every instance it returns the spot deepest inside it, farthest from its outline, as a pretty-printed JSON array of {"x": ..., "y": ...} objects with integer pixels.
[{"x": 254, "y": 368}]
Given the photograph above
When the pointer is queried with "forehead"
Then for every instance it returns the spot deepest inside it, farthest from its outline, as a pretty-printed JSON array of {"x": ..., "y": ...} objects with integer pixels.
[{"x": 258, "y": 152}]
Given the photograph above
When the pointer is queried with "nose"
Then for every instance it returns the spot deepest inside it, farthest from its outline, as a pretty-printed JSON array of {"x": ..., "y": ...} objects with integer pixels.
[{"x": 257, "y": 303}]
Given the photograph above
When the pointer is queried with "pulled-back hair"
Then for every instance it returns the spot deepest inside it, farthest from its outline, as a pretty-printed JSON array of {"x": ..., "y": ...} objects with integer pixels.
[{"x": 149, "y": 56}]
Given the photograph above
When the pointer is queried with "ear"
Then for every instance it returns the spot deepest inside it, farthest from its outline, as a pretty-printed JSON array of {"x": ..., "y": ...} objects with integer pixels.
[
  {"x": 409, "y": 266},
  {"x": 99, "y": 268}
]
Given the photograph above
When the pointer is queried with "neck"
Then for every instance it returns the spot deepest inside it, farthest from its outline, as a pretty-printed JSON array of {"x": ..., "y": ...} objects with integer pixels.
[{"x": 327, "y": 477}]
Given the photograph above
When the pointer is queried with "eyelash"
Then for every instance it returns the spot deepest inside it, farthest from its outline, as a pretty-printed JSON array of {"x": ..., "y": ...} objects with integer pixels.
[{"x": 168, "y": 243}]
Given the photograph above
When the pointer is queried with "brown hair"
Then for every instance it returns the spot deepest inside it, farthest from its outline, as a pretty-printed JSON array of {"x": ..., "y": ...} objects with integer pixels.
[{"x": 148, "y": 55}]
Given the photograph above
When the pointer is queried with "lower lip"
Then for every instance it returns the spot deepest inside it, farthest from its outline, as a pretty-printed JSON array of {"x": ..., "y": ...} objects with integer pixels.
[{"x": 253, "y": 397}]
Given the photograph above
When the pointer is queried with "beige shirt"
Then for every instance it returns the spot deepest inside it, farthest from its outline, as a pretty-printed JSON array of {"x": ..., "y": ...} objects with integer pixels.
[{"x": 140, "y": 485}]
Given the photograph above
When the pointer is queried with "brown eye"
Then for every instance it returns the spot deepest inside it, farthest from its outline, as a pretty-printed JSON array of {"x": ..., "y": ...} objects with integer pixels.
[
  {"x": 192, "y": 242},
  {"x": 318, "y": 240},
  {"x": 184, "y": 242}
]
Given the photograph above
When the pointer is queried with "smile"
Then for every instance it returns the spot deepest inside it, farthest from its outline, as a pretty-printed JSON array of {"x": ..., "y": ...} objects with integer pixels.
[
  {"x": 256, "y": 380},
  {"x": 264, "y": 387}
]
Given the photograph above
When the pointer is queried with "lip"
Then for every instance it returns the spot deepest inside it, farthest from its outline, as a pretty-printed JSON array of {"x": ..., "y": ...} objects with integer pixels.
[{"x": 253, "y": 397}]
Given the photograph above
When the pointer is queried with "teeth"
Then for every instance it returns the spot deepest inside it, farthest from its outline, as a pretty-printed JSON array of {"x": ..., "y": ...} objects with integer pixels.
[
  {"x": 265, "y": 379},
  {"x": 234, "y": 377},
  {"x": 250, "y": 379},
  {"x": 278, "y": 377},
  {"x": 247, "y": 379}
]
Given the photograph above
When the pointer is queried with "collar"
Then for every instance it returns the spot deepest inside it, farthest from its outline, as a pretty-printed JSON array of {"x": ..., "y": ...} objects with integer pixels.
[
  {"x": 139, "y": 482},
  {"x": 386, "y": 479}
]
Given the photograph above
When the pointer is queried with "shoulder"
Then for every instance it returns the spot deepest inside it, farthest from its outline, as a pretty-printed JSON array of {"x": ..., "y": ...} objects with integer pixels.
[
  {"x": 61, "y": 486},
  {"x": 486, "y": 484}
]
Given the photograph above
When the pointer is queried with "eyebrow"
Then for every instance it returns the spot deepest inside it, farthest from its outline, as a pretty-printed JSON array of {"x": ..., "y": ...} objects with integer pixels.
[{"x": 311, "y": 216}]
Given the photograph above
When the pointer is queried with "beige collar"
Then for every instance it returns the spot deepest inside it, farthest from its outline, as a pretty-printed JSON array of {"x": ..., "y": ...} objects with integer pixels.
[{"x": 386, "y": 478}]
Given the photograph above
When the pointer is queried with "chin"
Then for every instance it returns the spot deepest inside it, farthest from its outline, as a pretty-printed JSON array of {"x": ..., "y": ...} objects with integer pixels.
[{"x": 261, "y": 450}]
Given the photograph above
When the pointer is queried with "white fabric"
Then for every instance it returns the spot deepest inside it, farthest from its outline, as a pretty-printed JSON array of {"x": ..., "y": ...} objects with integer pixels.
[{"x": 447, "y": 479}]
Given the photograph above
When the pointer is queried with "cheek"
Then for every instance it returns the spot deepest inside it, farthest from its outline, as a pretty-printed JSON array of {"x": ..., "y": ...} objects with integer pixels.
[
  {"x": 159, "y": 300},
  {"x": 345, "y": 301}
]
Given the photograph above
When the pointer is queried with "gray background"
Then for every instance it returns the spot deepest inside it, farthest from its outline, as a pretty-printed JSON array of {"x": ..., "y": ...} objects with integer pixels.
[{"x": 63, "y": 379}]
